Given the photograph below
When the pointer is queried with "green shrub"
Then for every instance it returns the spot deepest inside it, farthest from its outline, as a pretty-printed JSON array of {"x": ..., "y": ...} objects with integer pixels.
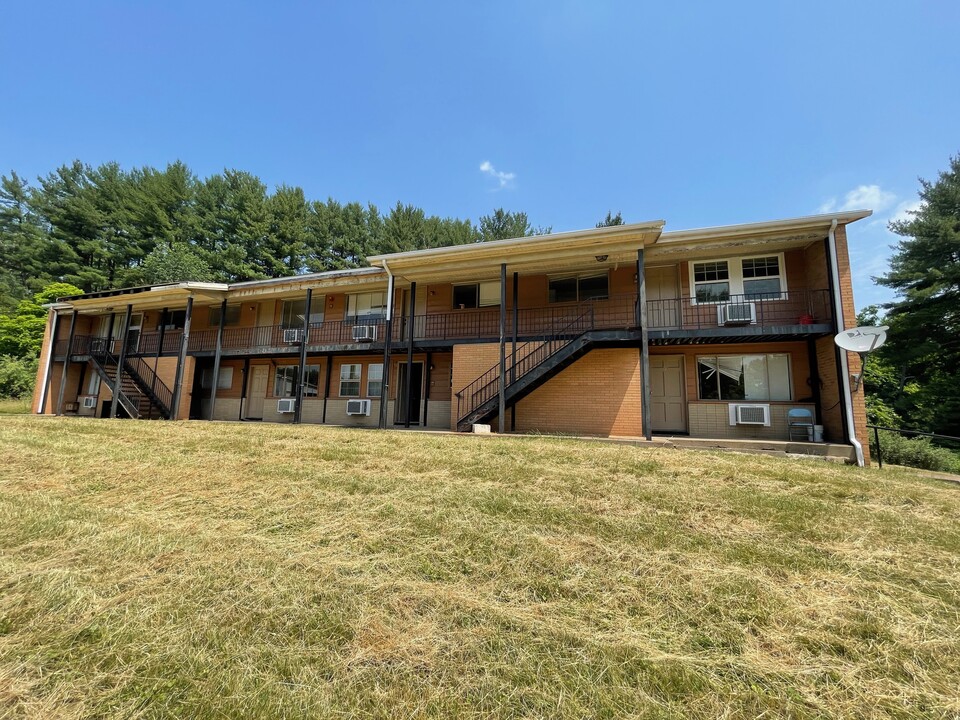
[
  {"x": 917, "y": 452},
  {"x": 17, "y": 376}
]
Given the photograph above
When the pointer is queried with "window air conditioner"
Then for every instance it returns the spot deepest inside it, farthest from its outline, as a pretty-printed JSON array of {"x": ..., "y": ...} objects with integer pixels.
[
  {"x": 291, "y": 335},
  {"x": 89, "y": 401},
  {"x": 750, "y": 415},
  {"x": 286, "y": 405},
  {"x": 364, "y": 333},
  {"x": 736, "y": 314},
  {"x": 358, "y": 407}
]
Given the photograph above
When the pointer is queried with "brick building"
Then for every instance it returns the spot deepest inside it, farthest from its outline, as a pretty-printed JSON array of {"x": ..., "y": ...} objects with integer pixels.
[{"x": 617, "y": 331}]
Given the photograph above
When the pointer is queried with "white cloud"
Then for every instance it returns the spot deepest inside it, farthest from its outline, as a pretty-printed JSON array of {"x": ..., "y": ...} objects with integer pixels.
[
  {"x": 505, "y": 179},
  {"x": 862, "y": 197},
  {"x": 903, "y": 210}
]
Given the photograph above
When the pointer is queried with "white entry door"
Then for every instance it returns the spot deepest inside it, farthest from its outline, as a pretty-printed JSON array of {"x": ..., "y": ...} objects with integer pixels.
[
  {"x": 667, "y": 398},
  {"x": 663, "y": 291},
  {"x": 256, "y": 392}
]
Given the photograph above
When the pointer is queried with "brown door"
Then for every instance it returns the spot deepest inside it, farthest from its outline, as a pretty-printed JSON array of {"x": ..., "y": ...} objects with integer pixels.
[
  {"x": 663, "y": 291},
  {"x": 669, "y": 410},
  {"x": 256, "y": 392}
]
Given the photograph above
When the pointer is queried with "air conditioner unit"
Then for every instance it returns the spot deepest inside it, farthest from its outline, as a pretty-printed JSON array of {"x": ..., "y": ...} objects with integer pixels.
[
  {"x": 89, "y": 401},
  {"x": 736, "y": 314},
  {"x": 364, "y": 333},
  {"x": 286, "y": 405},
  {"x": 358, "y": 407},
  {"x": 292, "y": 335},
  {"x": 70, "y": 407},
  {"x": 743, "y": 414}
]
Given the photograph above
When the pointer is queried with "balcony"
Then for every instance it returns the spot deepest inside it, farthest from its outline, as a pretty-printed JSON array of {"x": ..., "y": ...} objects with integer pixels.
[{"x": 741, "y": 318}]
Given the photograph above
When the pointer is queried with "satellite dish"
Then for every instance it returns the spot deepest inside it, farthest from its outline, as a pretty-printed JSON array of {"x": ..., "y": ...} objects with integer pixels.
[{"x": 862, "y": 340}]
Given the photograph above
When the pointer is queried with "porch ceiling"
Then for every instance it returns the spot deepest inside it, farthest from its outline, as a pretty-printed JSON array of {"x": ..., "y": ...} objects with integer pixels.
[{"x": 144, "y": 298}]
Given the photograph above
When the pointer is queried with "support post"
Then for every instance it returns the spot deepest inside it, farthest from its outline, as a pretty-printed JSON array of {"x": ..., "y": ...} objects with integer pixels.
[
  {"x": 814, "y": 380},
  {"x": 216, "y": 358},
  {"x": 428, "y": 373},
  {"x": 326, "y": 387},
  {"x": 302, "y": 367},
  {"x": 644, "y": 348},
  {"x": 48, "y": 372},
  {"x": 388, "y": 331},
  {"x": 243, "y": 387},
  {"x": 407, "y": 390},
  {"x": 121, "y": 359},
  {"x": 181, "y": 359},
  {"x": 513, "y": 347},
  {"x": 66, "y": 362},
  {"x": 160, "y": 340},
  {"x": 502, "y": 410}
]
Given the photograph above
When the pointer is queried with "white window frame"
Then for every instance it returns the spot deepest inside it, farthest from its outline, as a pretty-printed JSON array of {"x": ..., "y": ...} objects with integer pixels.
[
  {"x": 578, "y": 277},
  {"x": 766, "y": 357},
  {"x": 488, "y": 294},
  {"x": 296, "y": 379},
  {"x": 358, "y": 379},
  {"x": 735, "y": 273},
  {"x": 374, "y": 311},
  {"x": 371, "y": 378}
]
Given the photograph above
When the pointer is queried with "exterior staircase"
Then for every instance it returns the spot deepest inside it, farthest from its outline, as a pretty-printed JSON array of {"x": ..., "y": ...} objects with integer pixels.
[
  {"x": 528, "y": 368},
  {"x": 142, "y": 395}
]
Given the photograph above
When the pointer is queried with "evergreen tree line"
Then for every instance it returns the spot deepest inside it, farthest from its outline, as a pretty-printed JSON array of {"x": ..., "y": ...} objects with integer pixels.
[{"x": 106, "y": 227}]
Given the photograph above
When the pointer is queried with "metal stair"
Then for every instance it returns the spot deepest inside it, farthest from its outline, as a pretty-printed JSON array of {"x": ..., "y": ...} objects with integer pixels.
[
  {"x": 142, "y": 395},
  {"x": 528, "y": 368}
]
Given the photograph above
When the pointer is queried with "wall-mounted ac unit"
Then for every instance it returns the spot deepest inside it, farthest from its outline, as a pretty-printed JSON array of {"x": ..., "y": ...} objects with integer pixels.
[
  {"x": 358, "y": 407},
  {"x": 364, "y": 333},
  {"x": 292, "y": 335},
  {"x": 752, "y": 414},
  {"x": 70, "y": 407},
  {"x": 736, "y": 314},
  {"x": 89, "y": 401},
  {"x": 286, "y": 405}
]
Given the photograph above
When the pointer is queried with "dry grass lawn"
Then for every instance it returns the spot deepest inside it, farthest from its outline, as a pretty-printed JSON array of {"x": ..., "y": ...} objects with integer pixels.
[{"x": 201, "y": 570}]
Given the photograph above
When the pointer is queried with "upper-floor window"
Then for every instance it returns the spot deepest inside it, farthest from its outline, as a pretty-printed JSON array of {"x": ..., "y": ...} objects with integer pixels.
[
  {"x": 292, "y": 312},
  {"x": 752, "y": 278},
  {"x": 476, "y": 295},
  {"x": 371, "y": 305},
  {"x": 232, "y": 315},
  {"x": 579, "y": 288}
]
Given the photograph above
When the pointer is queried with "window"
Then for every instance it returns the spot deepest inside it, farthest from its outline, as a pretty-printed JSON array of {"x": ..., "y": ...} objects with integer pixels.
[
  {"x": 474, "y": 295},
  {"x": 224, "y": 380},
  {"x": 744, "y": 377},
  {"x": 233, "y": 315},
  {"x": 753, "y": 278},
  {"x": 292, "y": 312},
  {"x": 350, "y": 380},
  {"x": 371, "y": 305},
  {"x": 711, "y": 281},
  {"x": 285, "y": 381},
  {"x": 579, "y": 289},
  {"x": 174, "y": 319},
  {"x": 374, "y": 380}
]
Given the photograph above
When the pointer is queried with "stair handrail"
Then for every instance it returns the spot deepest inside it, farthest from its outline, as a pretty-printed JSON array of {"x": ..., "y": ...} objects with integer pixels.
[
  {"x": 481, "y": 389},
  {"x": 100, "y": 353},
  {"x": 154, "y": 388}
]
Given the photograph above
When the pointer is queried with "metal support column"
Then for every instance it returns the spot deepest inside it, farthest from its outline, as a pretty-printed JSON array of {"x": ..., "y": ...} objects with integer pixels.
[
  {"x": 388, "y": 331},
  {"x": 66, "y": 362},
  {"x": 302, "y": 368},
  {"x": 502, "y": 409},
  {"x": 407, "y": 390},
  {"x": 181, "y": 359},
  {"x": 326, "y": 387},
  {"x": 513, "y": 348},
  {"x": 644, "y": 348},
  {"x": 48, "y": 372},
  {"x": 121, "y": 359},
  {"x": 428, "y": 372},
  {"x": 243, "y": 387},
  {"x": 216, "y": 358}
]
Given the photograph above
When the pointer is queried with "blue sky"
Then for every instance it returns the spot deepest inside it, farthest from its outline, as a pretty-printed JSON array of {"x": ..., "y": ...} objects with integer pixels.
[{"x": 698, "y": 113}]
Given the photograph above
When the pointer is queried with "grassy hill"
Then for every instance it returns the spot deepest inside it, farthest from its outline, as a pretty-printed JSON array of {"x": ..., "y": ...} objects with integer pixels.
[{"x": 206, "y": 570}]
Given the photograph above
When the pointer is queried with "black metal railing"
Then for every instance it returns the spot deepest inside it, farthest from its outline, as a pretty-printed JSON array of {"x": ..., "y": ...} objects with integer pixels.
[
  {"x": 144, "y": 375},
  {"x": 949, "y": 442},
  {"x": 793, "y": 307},
  {"x": 526, "y": 358}
]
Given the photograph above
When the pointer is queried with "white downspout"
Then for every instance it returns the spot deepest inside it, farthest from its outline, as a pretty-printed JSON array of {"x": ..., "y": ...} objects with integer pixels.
[{"x": 844, "y": 366}]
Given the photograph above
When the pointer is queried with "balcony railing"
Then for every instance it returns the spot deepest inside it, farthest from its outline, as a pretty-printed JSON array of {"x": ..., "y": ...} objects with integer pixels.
[{"x": 794, "y": 307}]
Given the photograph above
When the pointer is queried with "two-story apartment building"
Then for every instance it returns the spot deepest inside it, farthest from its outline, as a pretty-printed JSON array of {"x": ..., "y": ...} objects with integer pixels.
[{"x": 616, "y": 331}]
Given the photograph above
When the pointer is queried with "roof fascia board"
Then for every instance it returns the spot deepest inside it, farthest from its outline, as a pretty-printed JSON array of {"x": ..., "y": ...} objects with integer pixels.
[{"x": 809, "y": 222}]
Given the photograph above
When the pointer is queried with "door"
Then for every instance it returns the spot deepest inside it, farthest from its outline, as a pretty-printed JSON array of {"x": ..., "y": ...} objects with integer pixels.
[
  {"x": 256, "y": 392},
  {"x": 669, "y": 409},
  {"x": 402, "y": 313},
  {"x": 409, "y": 394},
  {"x": 663, "y": 293}
]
